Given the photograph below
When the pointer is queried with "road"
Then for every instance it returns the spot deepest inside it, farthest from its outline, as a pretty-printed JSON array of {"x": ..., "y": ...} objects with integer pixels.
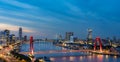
[{"x": 5, "y": 54}]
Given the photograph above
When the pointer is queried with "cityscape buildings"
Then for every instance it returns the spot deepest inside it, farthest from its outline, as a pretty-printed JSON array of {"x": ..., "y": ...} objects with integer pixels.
[
  {"x": 7, "y": 33},
  {"x": 68, "y": 36},
  {"x": 89, "y": 37},
  {"x": 20, "y": 33},
  {"x": 70, "y": 44},
  {"x": 71, "y": 39},
  {"x": 25, "y": 38},
  {"x": 28, "y": 29}
]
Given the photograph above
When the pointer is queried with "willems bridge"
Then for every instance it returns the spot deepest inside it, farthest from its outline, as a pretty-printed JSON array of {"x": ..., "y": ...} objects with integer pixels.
[{"x": 100, "y": 51}]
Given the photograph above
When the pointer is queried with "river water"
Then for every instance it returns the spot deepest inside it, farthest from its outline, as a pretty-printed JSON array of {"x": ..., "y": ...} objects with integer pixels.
[{"x": 67, "y": 57}]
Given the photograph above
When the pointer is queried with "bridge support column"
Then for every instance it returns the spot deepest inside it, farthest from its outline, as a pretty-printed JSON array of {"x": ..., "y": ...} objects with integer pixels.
[
  {"x": 100, "y": 43},
  {"x": 31, "y": 45},
  {"x": 31, "y": 49}
]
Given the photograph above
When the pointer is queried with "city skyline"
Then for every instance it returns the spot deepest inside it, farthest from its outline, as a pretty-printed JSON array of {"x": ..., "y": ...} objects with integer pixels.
[{"x": 48, "y": 18}]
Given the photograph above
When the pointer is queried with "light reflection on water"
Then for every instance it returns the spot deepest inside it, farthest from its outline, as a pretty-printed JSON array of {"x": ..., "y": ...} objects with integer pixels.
[
  {"x": 76, "y": 57},
  {"x": 95, "y": 58}
]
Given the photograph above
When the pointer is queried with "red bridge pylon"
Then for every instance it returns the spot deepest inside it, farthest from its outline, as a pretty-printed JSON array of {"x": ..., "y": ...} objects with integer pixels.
[
  {"x": 31, "y": 46},
  {"x": 100, "y": 43}
]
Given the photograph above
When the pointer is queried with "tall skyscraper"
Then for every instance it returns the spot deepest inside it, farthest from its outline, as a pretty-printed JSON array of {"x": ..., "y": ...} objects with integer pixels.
[
  {"x": 20, "y": 33},
  {"x": 68, "y": 35},
  {"x": 89, "y": 38},
  {"x": 7, "y": 33}
]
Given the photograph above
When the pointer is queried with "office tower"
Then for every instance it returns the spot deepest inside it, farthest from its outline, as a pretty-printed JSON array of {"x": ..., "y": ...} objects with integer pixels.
[
  {"x": 71, "y": 39},
  {"x": 68, "y": 35},
  {"x": 12, "y": 38},
  {"x": 2, "y": 36},
  {"x": 25, "y": 38},
  {"x": 20, "y": 33},
  {"x": 89, "y": 37},
  {"x": 7, "y": 33}
]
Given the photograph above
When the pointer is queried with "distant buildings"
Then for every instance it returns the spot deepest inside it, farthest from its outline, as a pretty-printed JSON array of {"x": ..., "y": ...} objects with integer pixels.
[
  {"x": 7, "y": 38},
  {"x": 25, "y": 38},
  {"x": 2, "y": 36},
  {"x": 20, "y": 33},
  {"x": 12, "y": 38},
  {"x": 7, "y": 33},
  {"x": 59, "y": 38},
  {"x": 69, "y": 36},
  {"x": 71, "y": 39},
  {"x": 89, "y": 37}
]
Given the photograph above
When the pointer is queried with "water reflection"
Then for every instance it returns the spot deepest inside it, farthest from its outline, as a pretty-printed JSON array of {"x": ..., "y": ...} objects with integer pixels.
[
  {"x": 115, "y": 57},
  {"x": 72, "y": 58},
  {"x": 63, "y": 58},
  {"x": 97, "y": 58},
  {"x": 90, "y": 58},
  {"x": 100, "y": 58}
]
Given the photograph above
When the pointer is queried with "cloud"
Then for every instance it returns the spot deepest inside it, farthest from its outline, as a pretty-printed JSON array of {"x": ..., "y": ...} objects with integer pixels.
[
  {"x": 32, "y": 16},
  {"x": 14, "y": 28},
  {"x": 13, "y": 19},
  {"x": 19, "y": 4},
  {"x": 72, "y": 7}
]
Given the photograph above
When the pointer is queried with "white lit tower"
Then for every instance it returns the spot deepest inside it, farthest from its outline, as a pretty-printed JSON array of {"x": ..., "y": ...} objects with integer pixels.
[
  {"x": 20, "y": 33},
  {"x": 89, "y": 38}
]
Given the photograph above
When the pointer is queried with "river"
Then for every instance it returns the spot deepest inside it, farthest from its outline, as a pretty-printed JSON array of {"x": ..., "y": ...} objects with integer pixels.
[{"x": 67, "y": 57}]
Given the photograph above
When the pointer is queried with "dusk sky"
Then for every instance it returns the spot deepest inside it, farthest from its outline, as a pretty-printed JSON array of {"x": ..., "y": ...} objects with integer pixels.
[{"x": 46, "y": 18}]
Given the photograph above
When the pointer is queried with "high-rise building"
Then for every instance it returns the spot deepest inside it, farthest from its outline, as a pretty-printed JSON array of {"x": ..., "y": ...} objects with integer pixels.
[
  {"x": 2, "y": 36},
  {"x": 68, "y": 35},
  {"x": 89, "y": 37},
  {"x": 12, "y": 38},
  {"x": 71, "y": 39},
  {"x": 7, "y": 33},
  {"x": 20, "y": 33},
  {"x": 25, "y": 38}
]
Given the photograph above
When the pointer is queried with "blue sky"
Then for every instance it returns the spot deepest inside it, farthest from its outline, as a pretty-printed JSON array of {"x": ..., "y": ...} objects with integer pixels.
[{"x": 46, "y": 18}]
